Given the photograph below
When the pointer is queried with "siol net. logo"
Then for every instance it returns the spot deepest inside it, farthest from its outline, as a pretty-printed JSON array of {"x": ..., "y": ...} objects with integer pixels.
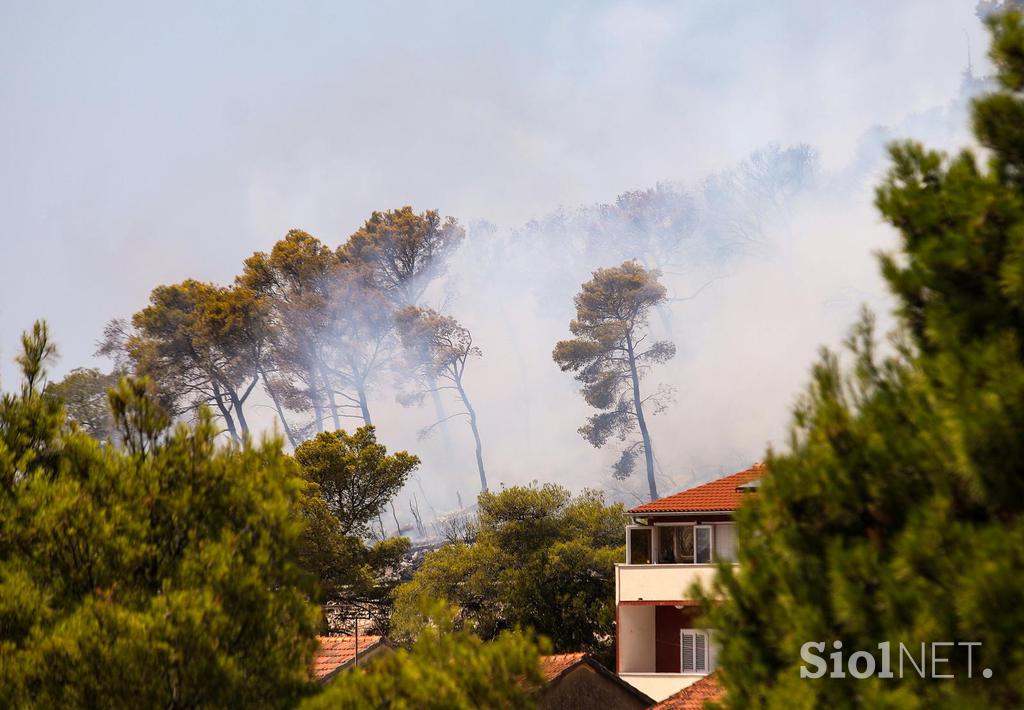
[{"x": 935, "y": 660}]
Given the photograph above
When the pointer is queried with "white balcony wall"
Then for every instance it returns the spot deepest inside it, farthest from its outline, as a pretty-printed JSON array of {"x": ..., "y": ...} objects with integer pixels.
[
  {"x": 659, "y": 685},
  {"x": 659, "y": 582},
  {"x": 636, "y": 638}
]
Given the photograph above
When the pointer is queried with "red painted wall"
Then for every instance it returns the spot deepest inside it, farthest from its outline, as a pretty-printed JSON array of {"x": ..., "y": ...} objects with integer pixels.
[{"x": 667, "y": 622}]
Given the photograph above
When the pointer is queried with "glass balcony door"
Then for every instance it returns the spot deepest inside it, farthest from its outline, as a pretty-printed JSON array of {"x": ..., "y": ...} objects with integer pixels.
[{"x": 671, "y": 544}]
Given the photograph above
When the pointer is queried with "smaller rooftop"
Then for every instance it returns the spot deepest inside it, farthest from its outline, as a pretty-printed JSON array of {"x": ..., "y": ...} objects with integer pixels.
[
  {"x": 553, "y": 666},
  {"x": 337, "y": 652},
  {"x": 723, "y": 494},
  {"x": 693, "y": 696}
]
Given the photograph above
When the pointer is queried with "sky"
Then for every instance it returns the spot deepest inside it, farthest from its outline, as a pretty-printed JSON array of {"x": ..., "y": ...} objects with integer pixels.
[{"x": 142, "y": 145}]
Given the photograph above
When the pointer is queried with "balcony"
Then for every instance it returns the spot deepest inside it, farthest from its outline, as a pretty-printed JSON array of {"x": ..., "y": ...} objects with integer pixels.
[
  {"x": 648, "y": 583},
  {"x": 658, "y": 649}
]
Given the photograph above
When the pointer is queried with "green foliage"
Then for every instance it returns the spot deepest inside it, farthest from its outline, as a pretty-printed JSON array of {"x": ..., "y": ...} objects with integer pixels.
[
  {"x": 200, "y": 344},
  {"x": 445, "y": 669},
  {"x": 540, "y": 559},
  {"x": 897, "y": 514},
  {"x": 354, "y": 475},
  {"x": 350, "y": 478},
  {"x": 160, "y": 574}
]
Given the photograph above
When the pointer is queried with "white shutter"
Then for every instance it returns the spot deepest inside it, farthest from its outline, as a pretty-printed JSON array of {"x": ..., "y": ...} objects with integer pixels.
[
  {"x": 700, "y": 652},
  {"x": 686, "y": 653},
  {"x": 694, "y": 651}
]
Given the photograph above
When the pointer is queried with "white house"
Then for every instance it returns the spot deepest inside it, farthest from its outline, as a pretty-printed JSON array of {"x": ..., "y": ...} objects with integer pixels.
[{"x": 671, "y": 543}]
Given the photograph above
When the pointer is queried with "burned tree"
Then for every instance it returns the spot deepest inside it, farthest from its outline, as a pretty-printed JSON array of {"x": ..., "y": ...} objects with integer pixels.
[
  {"x": 609, "y": 357},
  {"x": 331, "y": 325},
  {"x": 745, "y": 203},
  {"x": 649, "y": 226},
  {"x": 360, "y": 340},
  {"x": 401, "y": 253},
  {"x": 439, "y": 350}
]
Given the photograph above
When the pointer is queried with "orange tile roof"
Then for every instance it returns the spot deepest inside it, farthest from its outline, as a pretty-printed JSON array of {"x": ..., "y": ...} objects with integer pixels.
[
  {"x": 693, "y": 696},
  {"x": 553, "y": 666},
  {"x": 337, "y": 651},
  {"x": 720, "y": 494}
]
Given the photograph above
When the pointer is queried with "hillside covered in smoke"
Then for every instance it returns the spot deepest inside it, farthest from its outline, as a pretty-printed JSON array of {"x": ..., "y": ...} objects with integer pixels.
[{"x": 447, "y": 348}]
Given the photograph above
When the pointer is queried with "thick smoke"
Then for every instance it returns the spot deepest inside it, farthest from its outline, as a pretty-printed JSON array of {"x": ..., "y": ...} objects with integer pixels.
[
  {"x": 764, "y": 262},
  {"x": 765, "y": 259}
]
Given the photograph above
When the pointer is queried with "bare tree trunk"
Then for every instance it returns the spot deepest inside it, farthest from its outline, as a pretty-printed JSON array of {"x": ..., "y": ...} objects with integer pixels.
[
  {"x": 665, "y": 316},
  {"x": 426, "y": 498},
  {"x": 414, "y": 507},
  {"x": 364, "y": 406},
  {"x": 398, "y": 526},
  {"x": 314, "y": 398},
  {"x": 225, "y": 412},
  {"x": 639, "y": 408},
  {"x": 236, "y": 405},
  {"x": 330, "y": 400},
  {"x": 442, "y": 417},
  {"x": 476, "y": 434},
  {"x": 279, "y": 408}
]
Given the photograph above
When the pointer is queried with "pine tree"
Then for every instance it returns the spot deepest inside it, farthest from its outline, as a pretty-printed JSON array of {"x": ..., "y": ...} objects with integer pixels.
[
  {"x": 350, "y": 479},
  {"x": 157, "y": 572},
  {"x": 536, "y": 557},
  {"x": 609, "y": 357},
  {"x": 898, "y": 512}
]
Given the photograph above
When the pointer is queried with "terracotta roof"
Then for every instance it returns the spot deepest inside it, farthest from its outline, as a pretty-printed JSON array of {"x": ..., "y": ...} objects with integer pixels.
[
  {"x": 338, "y": 651},
  {"x": 553, "y": 666},
  {"x": 721, "y": 494},
  {"x": 692, "y": 697}
]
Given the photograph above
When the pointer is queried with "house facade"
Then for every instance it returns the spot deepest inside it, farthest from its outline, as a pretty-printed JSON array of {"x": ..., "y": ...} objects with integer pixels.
[{"x": 671, "y": 543}]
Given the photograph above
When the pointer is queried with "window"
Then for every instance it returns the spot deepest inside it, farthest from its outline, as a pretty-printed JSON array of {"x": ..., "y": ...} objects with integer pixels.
[
  {"x": 725, "y": 542},
  {"x": 675, "y": 544},
  {"x": 640, "y": 548},
  {"x": 694, "y": 651},
  {"x": 671, "y": 544},
  {"x": 702, "y": 534}
]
